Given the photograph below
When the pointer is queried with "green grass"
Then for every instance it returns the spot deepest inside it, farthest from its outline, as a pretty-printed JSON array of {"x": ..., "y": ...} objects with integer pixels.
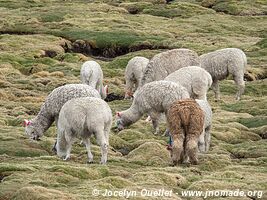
[
  {"x": 182, "y": 9},
  {"x": 106, "y": 39},
  {"x": 254, "y": 122},
  {"x": 53, "y": 17},
  {"x": 256, "y": 107},
  {"x": 234, "y": 7}
]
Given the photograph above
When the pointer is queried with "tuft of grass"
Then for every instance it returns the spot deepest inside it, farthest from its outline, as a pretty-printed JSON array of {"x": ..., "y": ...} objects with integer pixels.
[
  {"x": 81, "y": 173},
  {"x": 179, "y": 9},
  {"x": 53, "y": 16},
  {"x": 103, "y": 39},
  {"x": 38, "y": 192},
  {"x": 254, "y": 122},
  {"x": 150, "y": 153},
  {"x": 235, "y": 7},
  {"x": 254, "y": 107},
  {"x": 262, "y": 43}
]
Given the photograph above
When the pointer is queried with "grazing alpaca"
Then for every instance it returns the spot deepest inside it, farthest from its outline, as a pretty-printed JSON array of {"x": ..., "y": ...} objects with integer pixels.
[
  {"x": 153, "y": 98},
  {"x": 84, "y": 117},
  {"x": 92, "y": 75},
  {"x": 133, "y": 74},
  {"x": 50, "y": 109},
  {"x": 186, "y": 123}
]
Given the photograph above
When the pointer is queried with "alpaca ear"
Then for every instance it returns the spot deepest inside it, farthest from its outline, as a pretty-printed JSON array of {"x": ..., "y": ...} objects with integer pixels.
[
  {"x": 118, "y": 114},
  {"x": 106, "y": 89},
  {"x": 148, "y": 119},
  {"x": 26, "y": 122}
]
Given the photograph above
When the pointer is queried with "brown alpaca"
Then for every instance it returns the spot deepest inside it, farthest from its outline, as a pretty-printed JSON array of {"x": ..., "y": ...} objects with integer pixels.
[{"x": 186, "y": 121}]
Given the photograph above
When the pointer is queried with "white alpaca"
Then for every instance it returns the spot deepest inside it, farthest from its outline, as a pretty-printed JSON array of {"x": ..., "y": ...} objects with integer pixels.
[
  {"x": 223, "y": 62},
  {"x": 49, "y": 112},
  {"x": 92, "y": 75},
  {"x": 153, "y": 98},
  {"x": 84, "y": 117},
  {"x": 163, "y": 64},
  {"x": 195, "y": 79},
  {"x": 133, "y": 74}
]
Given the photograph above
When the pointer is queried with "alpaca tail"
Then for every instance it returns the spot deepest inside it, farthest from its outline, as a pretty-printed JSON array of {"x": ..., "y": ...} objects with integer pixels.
[
  {"x": 185, "y": 122},
  {"x": 209, "y": 80}
]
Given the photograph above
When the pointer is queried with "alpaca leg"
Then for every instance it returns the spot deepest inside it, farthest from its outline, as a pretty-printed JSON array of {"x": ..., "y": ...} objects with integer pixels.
[
  {"x": 166, "y": 133},
  {"x": 129, "y": 88},
  {"x": 54, "y": 149},
  {"x": 191, "y": 149},
  {"x": 87, "y": 143},
  {"x": 202, "y": 96},
  {"x": 102, "y": 140},
  {"x": 240, "y": 86},
  {"x": 67, "y": 153},
  {"x": 216, "y": 89},
  {"x": 201, "y": 142},
  {"x": 207, "y": 138},
  {"x": 69, "y": 141},
  {"x": 61, "y": 143},
  {"x": 56, "y": 120},
  {"x": 106, "y": 131},
  {"x": 155, "y": 121},
  {"x": 177, "y": 149},
  {"x": 155, "y": 124}
]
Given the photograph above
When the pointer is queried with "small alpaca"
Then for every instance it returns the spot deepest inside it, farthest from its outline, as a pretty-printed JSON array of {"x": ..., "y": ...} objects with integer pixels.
[
  {"x": 186, "y": 122},
  {"x": 92, "y": 75},
  {"x": 133, "y": 74}
]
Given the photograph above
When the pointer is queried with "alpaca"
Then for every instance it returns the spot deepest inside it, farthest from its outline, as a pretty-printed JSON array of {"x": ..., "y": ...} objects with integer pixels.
[
  {"x": 50, "y": 109},
  {"x": 84, "y": 117},
  {"x": 153, "y": 98},
  {"x": 186, "y": 122},
  {"x": 223, "y": 62},
  {"x": 133, "y": 74}
]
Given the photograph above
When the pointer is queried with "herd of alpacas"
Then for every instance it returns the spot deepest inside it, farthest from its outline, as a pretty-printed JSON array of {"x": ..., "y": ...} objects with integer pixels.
[{"x": 173, "y": 84}]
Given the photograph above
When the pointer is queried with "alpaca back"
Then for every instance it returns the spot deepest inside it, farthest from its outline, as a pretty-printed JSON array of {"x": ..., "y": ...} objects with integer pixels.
[
  {"x": 187, "y": 115},
  {"x": 162, "y": 64},
  {"x": 59, "y": 96},
  {"x": 222, "y": 62},
  {"x": 158, "y": 96},
  {"x": 91, "y": 74}
]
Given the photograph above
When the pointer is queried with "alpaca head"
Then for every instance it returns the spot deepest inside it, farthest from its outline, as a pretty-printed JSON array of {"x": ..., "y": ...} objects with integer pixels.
[
  {"x": 119, "y": 121},
  {"x": 128, "y": 95},
  {"x": 105, "y": 92},
  {"x": 31, "y": 131}
]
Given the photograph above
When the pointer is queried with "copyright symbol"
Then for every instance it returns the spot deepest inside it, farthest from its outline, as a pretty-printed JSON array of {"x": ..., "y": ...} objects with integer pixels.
[{"x": 95, "y": 192}]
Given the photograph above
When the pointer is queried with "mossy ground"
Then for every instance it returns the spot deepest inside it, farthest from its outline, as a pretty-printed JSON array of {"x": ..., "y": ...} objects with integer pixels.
[{"x": 33, "y": 61}]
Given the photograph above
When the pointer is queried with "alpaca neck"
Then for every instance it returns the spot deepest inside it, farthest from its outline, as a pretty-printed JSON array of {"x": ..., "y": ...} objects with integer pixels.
[
  {"x": 102, "y": 92},
  {"x": 42, "y": 122},
  {"x": 131, "y": 115}
]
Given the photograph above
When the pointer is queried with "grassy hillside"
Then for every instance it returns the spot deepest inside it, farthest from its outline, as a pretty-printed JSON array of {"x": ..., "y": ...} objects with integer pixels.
[{"x": 42, "y": 46}]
